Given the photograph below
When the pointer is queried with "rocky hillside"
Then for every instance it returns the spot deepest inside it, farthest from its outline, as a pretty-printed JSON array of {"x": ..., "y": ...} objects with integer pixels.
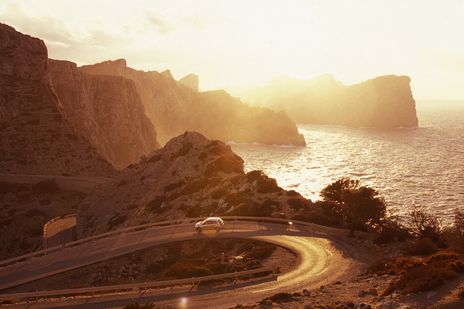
[
  {"x": 106, "y": 110},
  {"x": 190, "y": 176},
  {"x": 381, "y": 102},
  {"x": 175, "y": 107},
  {"x": 35, "y": 136}
]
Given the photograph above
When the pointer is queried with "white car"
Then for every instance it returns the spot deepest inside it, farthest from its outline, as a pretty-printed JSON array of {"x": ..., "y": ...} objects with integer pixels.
[{"x": 209, "y": 223}]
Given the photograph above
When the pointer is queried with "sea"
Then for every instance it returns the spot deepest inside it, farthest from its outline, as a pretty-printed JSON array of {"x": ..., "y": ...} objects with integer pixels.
[{"x": 411, "y": 168}]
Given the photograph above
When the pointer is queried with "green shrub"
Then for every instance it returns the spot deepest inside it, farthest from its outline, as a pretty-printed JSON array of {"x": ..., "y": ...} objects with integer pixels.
[
  {"x": 154, "y": 206},
  {"x": 422, "y": 279},
  {"x": 137, "y": 305},
  {"x": 262, "y": 252},
  {"x": 198, "y": 211},
  {"x": 423, "y": 246},
  {"x": 282, "y": 297},
  {"x": 194, "y": 186},
  {"x": 158, "y": 267},
  {"x": 461, "y": 294},
  {"x": 426, "y": 225},
  {"x": 182, "y": 270},
  {"x": 392, "y": 231},
  {"x": 254, "y": 175},
  {"x": 252, "y": 209},
  {"x": 116, "y": 220},
  {"x": 360, "y": 207},
  {"x": 219, "y": 193},
  {"x": 174, "y": 186},
  {"x": 154, "y": 158},
  {"x": 298, "y": 203},
  {"x": 292, "y": 193},
  {"x": 426, "y": 274},
  {"x": 185, "y": 149},
  {"x": 228, "y": 165}
]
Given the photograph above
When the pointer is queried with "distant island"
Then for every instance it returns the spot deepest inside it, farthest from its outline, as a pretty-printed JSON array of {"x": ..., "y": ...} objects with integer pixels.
[{"x": 382, "y": 102}]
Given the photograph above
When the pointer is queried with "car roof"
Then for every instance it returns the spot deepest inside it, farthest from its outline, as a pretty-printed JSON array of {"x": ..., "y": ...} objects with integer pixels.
[{"x": 213, "y": 218}]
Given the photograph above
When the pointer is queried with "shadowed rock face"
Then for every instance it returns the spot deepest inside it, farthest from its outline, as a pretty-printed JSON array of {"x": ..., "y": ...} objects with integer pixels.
[
  {"x": 106, "y": 110},
  {"x": 175, "y": 108},
  {"x": 190, "y": 176},
  {"x": 382, "y": 102},
  {"x": 35, "y": 136}
]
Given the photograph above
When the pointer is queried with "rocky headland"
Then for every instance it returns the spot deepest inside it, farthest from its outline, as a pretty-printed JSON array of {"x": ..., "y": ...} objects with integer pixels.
[
  {"x": 36, "y": 136},
  {"x": 191, "y": 176},
  {"x": 105, "y": 110},
  {"x": 176, "y": 106},
  {"x": 382, "y": 102}
]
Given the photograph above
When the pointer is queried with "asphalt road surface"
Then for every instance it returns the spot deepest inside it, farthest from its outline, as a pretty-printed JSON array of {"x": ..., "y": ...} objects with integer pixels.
[{"x": 321, "y": 260}]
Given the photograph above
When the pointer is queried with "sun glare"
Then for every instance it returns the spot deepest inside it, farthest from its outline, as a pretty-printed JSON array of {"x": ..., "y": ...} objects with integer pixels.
[{"x": 245, "y": 43}]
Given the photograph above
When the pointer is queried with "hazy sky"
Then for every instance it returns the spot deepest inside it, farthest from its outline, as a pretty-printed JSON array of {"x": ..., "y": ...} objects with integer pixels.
[{"x": 232, "y": 44}]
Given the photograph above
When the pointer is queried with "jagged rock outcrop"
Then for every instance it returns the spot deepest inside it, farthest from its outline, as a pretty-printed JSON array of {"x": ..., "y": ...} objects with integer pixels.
[
  {"x": 106, "y": 110},
  {"x": 190, "y": 176},
  {"x": 35, "y": 137},
  {"x": 381, "y": 102},
  {"x": 191, "y": 81},
  {"x": 174, "y": 109}
]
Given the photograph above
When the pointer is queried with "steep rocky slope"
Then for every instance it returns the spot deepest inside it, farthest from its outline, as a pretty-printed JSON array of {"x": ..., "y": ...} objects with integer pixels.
[
  {"x": 381, "y": 102},
  {"x": 35, "y": 137},
  {"x": 190, "y": 81},
  {"x": 25, "y": 208},
  {"x": 106, "y": 110},
  {"x": 190, "y": 176},
  {"x": 175, "y": 108}
]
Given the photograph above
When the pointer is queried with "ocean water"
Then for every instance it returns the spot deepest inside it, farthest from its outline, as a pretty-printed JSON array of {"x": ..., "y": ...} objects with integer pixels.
[{"x": 422, "y": 167}]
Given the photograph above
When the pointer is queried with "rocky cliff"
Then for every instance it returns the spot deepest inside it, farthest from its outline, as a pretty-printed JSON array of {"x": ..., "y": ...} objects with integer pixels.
[
  {"x": 190, "y": 176},
  {"x": 106, "y": 110},
  {"x": 35, "y": 136},
  {"x": 381, "y": 102},
  {"x": 190, "y": 81},
  {"x": 175, "y": 108}
]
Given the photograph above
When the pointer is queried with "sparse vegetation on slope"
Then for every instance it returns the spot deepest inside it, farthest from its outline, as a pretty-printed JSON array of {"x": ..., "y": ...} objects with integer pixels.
[
  {"x": 24, "y": 211},
  {"x": 190, "y": 177}
]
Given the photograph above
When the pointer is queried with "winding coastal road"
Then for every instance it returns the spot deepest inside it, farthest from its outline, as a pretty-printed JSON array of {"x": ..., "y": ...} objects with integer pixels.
[{"x": 321, "y": 259}]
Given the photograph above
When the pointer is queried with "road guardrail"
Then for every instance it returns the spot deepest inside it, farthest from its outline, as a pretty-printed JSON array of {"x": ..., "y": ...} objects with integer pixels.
[
  {"x": 313, "y": 227},
  {"x": 134, "y": 286}
]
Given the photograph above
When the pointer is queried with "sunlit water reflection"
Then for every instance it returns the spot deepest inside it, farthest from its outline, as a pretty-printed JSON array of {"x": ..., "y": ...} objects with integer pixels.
[{"x": 423, "y": 166}]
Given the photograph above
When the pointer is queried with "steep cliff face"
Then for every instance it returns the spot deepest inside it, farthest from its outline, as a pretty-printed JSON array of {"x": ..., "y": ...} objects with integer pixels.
[
  {"x": 175, "y": 108},
  {"x": 382, "y": 102},
  {"x": 190, "y": 81},
  {"x": 106, "y": 110},
  {"x": 35, "y": 137},
  {"x": 190, "y": 176}
]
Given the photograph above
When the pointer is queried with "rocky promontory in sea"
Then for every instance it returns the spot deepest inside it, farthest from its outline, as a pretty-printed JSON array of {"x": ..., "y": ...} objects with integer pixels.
[
  {"x": 176, "y": 106},
  {"x": 381, "y": 102}
]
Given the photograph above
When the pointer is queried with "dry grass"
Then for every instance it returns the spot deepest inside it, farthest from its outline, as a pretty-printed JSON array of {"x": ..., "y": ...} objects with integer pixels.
[
  {"x": 420, "y": 274},
  {"x": 423, "y": 246},
  {"x": 461, "y": 294}
]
